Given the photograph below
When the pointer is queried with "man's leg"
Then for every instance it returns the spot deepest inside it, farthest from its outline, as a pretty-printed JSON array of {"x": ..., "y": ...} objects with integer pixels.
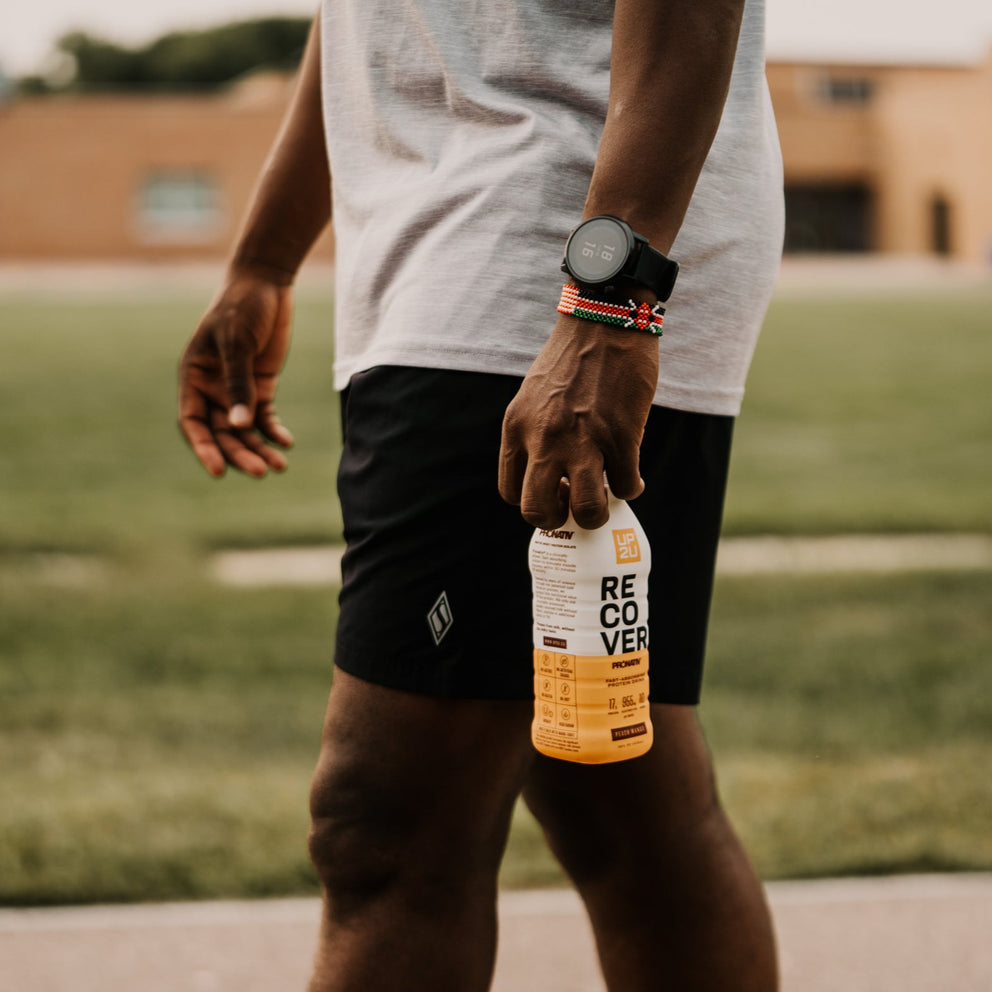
[
  {"x": 673, "y": 899},
  {"x": 411, "y": 805}
]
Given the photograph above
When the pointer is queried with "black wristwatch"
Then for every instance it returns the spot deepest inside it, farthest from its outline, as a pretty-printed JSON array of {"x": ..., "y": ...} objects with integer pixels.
[{"x": 603, "y": 249}]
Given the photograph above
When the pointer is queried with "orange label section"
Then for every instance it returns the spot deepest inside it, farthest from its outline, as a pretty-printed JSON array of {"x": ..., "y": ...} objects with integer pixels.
[{"x": 592, "y": 709}]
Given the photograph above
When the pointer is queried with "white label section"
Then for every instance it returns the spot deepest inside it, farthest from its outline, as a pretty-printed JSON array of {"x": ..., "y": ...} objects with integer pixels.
[{"x": 599, "y": 608}]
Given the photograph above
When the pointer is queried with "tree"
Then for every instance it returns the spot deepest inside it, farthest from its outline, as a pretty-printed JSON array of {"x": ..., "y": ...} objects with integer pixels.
[{"x": 181, "y": 60}]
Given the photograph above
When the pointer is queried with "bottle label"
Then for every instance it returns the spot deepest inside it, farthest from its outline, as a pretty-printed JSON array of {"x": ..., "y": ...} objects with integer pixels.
[
  {"x": 596, "y": 695},
  {"x": 614, "y": 621},
  {"x": 591, "y": 641}
]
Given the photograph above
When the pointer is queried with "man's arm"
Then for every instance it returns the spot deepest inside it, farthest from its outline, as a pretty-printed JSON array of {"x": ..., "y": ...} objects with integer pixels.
[
  {"x": 292, "y": 201},
  {"x": 228, "y": 371},
  {"x": 584, "y": 403}
]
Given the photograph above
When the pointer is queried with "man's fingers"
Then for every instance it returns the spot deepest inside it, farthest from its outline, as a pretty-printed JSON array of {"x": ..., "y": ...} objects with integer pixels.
[
  {"x": 624, "y": 475},
  {"x": 512, "y": 466},
  {"x": 217, "y": 447},
  {"x": 543, "y": 500},
  {"x": 201, "y": 439},
  {"x": 193, "y": 423},
  {"x": 587, "y": 495},
  {"x": 238, "y": 454},
  {"x": 216, "y": 444},
  {"x": 272, "y": 427},
  {"x": 237, "y": 361},
  {"x": 245, "y": 450},
  {"x": 276, "y": 460}
]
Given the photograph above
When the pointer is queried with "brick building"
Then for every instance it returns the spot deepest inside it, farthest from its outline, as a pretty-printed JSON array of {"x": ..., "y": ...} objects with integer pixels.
[
  {"x": 133, "y": 176},
  {"x": 888, "y": 158}
]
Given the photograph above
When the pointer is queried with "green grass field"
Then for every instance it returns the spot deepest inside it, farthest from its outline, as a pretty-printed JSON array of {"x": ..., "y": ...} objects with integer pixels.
[
  {"x": 92, "y": 457},
  {"x": 860, "y": 416},
  {"x": 157, "y": 732},
  {"x": 867, "y": 415}
]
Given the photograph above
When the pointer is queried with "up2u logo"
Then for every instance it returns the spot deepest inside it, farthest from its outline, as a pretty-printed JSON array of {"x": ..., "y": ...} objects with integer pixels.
[{"x": 627, "y": 548}]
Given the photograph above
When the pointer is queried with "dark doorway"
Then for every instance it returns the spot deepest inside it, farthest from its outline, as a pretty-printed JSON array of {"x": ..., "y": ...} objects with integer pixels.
[
  {"x": 940, "y": 225},
  {"x": 828, "y": 218}
]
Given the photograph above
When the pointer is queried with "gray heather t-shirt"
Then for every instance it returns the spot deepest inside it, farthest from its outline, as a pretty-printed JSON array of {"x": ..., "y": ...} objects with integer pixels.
[{"x": 462, "y": 136}]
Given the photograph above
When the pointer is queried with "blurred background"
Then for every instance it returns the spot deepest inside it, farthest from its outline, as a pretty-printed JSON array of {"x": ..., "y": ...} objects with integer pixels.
[{"x": 165, "y": 640}]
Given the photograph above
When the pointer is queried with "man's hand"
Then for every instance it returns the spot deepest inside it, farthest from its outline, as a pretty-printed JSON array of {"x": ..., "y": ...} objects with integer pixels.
[
  {"x": 581, "y": 410},
  {"x": 227, "y": 377},
  {"x": 585, "y": 401}
]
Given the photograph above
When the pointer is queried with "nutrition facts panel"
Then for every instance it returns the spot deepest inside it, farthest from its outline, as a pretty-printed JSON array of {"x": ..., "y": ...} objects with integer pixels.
[{"x": 554, "y": 686}]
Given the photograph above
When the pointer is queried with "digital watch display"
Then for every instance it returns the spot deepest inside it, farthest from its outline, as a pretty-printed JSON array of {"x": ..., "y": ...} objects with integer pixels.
[
  {"x": 598, "y": 250},
  {"x": 604, "y": 248}
]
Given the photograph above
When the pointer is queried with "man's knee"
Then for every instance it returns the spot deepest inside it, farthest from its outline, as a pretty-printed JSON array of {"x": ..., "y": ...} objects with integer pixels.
[
  {"x": 377, "y": 846},
  {"x": 363, "y": 830},
  {"x": 421, "y": 803},
  {"x": 346, "y": 853}
]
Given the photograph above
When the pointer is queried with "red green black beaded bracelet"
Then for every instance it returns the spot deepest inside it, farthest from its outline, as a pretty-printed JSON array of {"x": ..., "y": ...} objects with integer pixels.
[{"x": 636, "y": 316}]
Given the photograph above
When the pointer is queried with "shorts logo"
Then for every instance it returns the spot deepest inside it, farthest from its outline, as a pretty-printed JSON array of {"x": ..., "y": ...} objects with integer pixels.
[
  {"x": 440, "y": 619},
  {"x": 627, "y": 548}
]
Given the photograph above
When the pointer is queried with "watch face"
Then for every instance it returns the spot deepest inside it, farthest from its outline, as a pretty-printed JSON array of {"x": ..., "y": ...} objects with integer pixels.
[{"x": 598, "y": 250}]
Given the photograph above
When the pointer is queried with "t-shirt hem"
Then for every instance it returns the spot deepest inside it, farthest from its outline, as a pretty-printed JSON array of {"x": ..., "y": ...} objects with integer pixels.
[
  {"x": 676, "y": 395},
  {"x": 455, "y": 359}
]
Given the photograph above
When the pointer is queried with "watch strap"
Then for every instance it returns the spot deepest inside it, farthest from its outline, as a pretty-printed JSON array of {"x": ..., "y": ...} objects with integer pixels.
[{"x": 654, "y": 270}]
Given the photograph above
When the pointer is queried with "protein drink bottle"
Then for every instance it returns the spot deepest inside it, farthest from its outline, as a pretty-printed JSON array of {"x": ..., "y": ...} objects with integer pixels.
[{"x": 591, "y": 639}]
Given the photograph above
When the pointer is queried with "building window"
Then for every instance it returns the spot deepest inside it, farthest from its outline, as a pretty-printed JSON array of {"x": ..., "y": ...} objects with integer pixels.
[
  {"x": 828, "y": 218},
  {"x": 179, "y": 205},
  {"x": 847, "y": 89}
]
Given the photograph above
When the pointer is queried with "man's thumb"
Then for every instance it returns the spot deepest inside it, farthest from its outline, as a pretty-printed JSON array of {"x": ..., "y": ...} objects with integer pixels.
[{"x": 236, "y": 363}]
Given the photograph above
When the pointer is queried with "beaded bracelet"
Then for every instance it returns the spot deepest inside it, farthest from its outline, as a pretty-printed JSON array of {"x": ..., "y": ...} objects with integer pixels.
[{"x": 636, "y": 316}]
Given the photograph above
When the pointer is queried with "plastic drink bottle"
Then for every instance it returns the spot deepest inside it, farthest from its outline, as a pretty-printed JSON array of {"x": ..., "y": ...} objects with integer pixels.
[{"x": 591, "y": 639}]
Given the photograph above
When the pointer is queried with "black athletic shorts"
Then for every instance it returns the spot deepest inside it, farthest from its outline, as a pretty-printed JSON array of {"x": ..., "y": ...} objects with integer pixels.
[{"x": 436, "y": 595}]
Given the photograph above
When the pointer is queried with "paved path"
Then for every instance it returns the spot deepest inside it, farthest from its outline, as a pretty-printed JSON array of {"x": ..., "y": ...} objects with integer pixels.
[
  {"x": 737, "y": 556},
  {"x": 321, "y": 564},
  {"x": 902, "y": 934}
]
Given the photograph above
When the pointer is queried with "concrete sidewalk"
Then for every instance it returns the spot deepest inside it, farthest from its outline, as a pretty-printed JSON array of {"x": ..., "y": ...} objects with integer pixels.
[
  {"x": 321, "y": 564},
  {"x": 902, "y": 934}
]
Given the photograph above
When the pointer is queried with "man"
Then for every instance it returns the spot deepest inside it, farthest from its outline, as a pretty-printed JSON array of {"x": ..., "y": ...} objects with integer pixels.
[{"x": 465, "y": 141}]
